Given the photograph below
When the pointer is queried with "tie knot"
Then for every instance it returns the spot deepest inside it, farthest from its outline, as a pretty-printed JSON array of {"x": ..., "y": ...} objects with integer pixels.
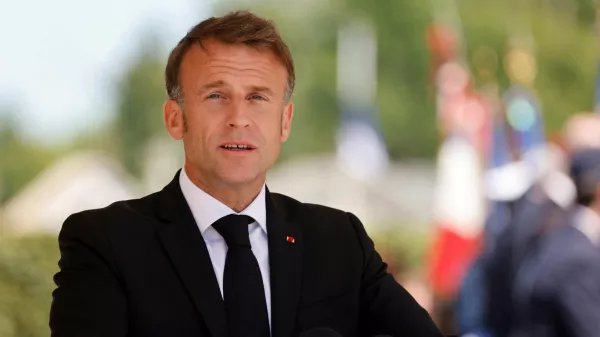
[{"x": 234, "y": 229}]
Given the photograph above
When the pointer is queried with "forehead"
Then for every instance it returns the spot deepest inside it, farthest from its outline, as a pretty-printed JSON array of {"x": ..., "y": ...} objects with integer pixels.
[{"x": 230, "y": 63}]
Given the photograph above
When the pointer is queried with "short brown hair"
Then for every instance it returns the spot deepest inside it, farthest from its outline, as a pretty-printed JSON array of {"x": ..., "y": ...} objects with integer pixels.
[{"x": 235, "y": 27}]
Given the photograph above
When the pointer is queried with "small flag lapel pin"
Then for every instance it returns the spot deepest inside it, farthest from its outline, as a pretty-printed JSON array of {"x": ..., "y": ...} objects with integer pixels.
[{"x": 290, "y": 239}]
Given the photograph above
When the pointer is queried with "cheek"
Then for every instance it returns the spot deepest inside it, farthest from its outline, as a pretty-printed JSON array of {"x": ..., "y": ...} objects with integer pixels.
[
  {"x": 272, "y": 130},
  {"x": 196, "y": 140},
  {"x": 200, "y": 129},
  {"x": 274, "y": 140}
]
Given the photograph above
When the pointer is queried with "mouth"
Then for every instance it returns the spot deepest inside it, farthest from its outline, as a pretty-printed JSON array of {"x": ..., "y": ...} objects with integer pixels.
[{"x": 238, "y": 147}]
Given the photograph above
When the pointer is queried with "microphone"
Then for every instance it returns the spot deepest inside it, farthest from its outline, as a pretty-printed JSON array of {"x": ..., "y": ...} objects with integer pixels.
[{"x": 320, "y": 332}]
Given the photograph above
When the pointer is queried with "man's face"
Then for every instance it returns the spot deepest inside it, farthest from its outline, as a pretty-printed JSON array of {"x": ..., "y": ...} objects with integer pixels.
[{"x": 235, "y": 117}]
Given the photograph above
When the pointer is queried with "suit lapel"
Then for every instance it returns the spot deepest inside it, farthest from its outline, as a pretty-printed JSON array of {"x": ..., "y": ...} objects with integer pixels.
[
  {"x": 285, "y": 258},
  {"x": 187, "y": 250}
]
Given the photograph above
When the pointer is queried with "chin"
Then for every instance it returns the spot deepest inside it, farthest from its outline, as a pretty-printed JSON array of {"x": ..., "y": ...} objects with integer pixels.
[{"x": 239, "y": 178}]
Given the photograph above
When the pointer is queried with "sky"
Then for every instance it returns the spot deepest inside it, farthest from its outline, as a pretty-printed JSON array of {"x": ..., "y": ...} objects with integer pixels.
[{"x": 60, "y": 59}]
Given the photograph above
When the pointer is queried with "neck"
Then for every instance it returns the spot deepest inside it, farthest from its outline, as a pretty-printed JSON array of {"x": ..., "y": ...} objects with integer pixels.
[
  {"x": 595, "y": 207},
  {"x": 237, "y": 197}
]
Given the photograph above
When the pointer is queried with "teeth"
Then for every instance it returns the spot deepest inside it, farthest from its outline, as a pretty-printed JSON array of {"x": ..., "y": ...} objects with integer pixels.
[{"x": 236, "y": 146}]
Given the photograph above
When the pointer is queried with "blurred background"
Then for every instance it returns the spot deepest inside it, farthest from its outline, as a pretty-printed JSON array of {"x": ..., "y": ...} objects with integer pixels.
[{"x": 408, "y": 113}]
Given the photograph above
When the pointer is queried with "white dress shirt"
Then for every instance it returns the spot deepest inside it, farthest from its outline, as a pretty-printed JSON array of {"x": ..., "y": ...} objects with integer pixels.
[
  {"x": 206, "y": 210},
  {"x": 588, "y": 222}
]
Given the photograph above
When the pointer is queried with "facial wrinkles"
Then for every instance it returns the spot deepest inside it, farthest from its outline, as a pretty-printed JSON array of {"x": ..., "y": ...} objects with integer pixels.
[
  {"x": 218, "y": 69},
  {"x": 251, "y": 68}
]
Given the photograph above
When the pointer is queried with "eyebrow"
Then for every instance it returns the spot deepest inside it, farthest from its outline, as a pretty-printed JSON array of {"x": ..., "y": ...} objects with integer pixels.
[
  {"x": 212, "y": 85},
  {"x": 221, "y": 83},
  {"x": 262, "y": 89}
]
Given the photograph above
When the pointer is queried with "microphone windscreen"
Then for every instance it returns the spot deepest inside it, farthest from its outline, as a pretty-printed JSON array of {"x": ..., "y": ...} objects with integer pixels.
[{"x": 320, "y": 332}]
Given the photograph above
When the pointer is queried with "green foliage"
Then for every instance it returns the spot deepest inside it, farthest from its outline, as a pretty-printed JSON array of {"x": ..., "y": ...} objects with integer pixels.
[
  {"x": 20, "y": 161},
  {"x": 27, "y": 265},
  {"x": 141, "y": 97},
  {"x": 406, "y": 109},
  {"x": 403, "y": 247},
  {"x": 564, "y": 47}
]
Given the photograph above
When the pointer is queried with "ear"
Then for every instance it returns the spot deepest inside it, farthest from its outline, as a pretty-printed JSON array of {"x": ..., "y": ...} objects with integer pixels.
[
  {"x": 174, "y": 119},
  {"x": 286, "y": 121}
]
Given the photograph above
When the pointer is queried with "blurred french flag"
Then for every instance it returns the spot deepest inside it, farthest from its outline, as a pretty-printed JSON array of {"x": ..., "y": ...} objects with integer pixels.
[
  {"x": 458, "y": 214},
  {"x": 361, "y": 150}
]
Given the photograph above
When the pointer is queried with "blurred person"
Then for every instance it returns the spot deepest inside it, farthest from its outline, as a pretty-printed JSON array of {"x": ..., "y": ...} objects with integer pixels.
[
  {"x": 215, "y": 253},
  {"x": 541, "y": 206},
  {"x": 512, "y": 259},
  {"x": 581, "y": 131},
  {"x": 471, "y": 300},
  {"x": 505, "y": 183},
  {"x": 521, "y": 188},
  {"x": 557, "y": 287}
]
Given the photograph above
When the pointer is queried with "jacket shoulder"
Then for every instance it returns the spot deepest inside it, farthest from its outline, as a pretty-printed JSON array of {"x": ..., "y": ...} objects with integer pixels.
[
  {"x": 124, "y": 211},
  {"x": 295, "y": 207}
]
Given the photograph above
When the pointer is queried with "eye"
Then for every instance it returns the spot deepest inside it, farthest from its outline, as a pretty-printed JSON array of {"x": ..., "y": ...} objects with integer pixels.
[
  {"x": 214, "y": 96},
  {"x": 257, "y": 98}
]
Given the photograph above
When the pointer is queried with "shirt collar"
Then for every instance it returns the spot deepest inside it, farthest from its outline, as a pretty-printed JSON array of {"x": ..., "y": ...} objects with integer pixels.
[
  {"x": 588, "y": 222},
  {"x": 206, "y": 209}
]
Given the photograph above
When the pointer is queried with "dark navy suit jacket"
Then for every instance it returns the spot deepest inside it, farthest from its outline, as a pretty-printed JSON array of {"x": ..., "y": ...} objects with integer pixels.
[{"x": 557, "y": 287}]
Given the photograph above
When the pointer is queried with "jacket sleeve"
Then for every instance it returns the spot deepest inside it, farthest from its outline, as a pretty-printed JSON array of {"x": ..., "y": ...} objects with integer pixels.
[
  {"x": 578, "y": 297},
  {"x": 386, "y": 307},
  {"x": 88, "y": 300}
]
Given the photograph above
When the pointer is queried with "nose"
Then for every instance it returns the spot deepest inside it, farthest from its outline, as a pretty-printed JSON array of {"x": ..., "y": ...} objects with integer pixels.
[{"x": 238, "y": 115}]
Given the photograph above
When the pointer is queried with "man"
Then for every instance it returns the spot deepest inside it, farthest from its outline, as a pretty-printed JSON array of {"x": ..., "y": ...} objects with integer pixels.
[
  {"x": 553, "y": 290},
  {"x": 215, "y": 253},
  {"x": 546, "y": 262},
  {"x": 518, "y": 227},
  {"x": 525, "y": 202},
  {"x": 557, "y": 287}
]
